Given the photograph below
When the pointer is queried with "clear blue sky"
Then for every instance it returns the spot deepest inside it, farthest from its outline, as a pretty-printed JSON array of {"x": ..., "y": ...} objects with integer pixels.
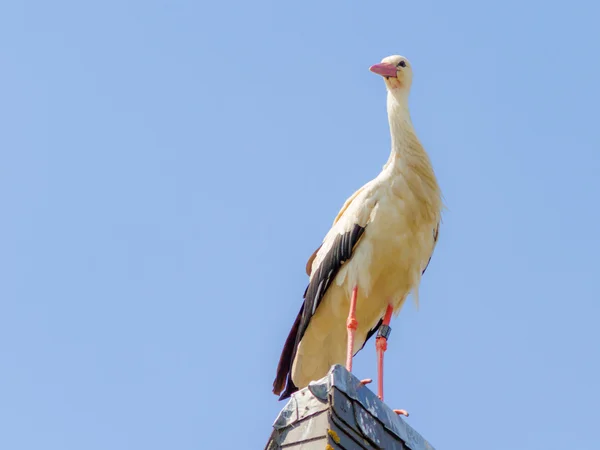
[{"x": 166, "y": 168}]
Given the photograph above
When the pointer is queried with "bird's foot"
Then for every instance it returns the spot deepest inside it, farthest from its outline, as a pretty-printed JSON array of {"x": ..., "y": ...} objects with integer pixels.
[{"x": 401, "y": 412}]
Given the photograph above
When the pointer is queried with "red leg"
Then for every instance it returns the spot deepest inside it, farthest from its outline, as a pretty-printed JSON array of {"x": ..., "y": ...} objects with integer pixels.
[
  {"x": 352, "y": 325},
  {"x": 381, "y": 346}
]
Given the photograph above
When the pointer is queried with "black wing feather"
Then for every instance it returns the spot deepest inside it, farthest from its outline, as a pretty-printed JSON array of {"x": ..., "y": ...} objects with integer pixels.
[
  {"x": 340, "y": 253},
  {"x": 435, "y": 238}
]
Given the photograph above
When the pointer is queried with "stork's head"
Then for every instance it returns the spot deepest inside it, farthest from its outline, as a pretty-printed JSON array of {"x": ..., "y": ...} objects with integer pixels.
[{"x": 396, "y": 72}]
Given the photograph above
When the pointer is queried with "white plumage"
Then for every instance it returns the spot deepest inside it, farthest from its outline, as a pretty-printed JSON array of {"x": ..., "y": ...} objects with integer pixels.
[{"x": 398, "y": 213}]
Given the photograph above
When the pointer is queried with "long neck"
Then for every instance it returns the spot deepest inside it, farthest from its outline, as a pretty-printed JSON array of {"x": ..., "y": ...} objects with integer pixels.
[
  {"x": 409, "y": 161},
  {"x": 404, "y": 139}
]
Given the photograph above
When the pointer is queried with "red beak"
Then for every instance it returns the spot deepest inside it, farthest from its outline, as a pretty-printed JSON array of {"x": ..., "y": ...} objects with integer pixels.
[{"x": 384, "y": 69}]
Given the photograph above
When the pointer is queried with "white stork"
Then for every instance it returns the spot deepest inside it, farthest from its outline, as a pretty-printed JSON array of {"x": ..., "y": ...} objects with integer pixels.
[{"x": 374, "y": 255}]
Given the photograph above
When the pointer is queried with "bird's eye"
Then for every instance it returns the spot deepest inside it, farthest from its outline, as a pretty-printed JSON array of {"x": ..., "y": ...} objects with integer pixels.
[{"x": 402, "y": 64}]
